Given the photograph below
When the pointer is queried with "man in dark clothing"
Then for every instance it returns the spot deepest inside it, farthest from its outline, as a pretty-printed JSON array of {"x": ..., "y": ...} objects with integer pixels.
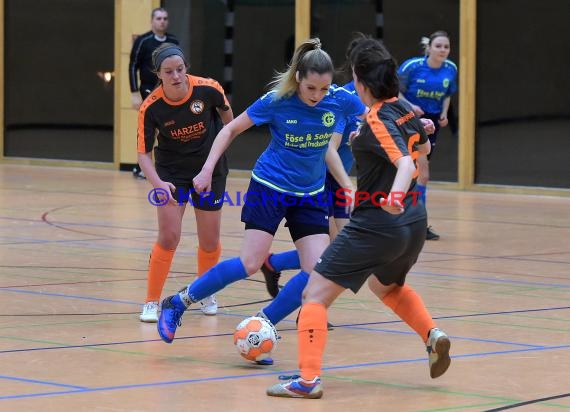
[{"x": 141, "y": 61}]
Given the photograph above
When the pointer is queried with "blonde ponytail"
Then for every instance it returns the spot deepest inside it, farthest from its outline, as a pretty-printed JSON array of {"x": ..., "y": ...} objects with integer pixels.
[{"x": 308, "y": 57}]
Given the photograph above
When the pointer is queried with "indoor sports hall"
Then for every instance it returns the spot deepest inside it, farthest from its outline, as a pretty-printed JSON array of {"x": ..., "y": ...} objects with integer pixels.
[{"x": 76, "y": 226}]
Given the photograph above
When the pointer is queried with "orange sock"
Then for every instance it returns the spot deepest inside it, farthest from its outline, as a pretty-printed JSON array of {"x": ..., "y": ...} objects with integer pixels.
[
  {"x": 158, "y": 268},
  {"x": 409, "y": 306},
  {"x": 312, "y": 335},
  {"x": 207, "y": 260}
]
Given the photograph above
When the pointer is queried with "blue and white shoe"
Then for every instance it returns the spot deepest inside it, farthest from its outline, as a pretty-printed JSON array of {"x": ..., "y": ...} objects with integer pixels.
[
  {"x": 209, "y": 306},
  {"x": 297, "y": 387},
  {"x": 171, "y": 312}
]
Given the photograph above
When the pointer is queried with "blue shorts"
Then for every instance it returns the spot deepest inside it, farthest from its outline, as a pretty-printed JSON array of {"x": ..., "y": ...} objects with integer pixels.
[
  {"x": 337, "y": 209},
  {"x": 264, "y": 209}
]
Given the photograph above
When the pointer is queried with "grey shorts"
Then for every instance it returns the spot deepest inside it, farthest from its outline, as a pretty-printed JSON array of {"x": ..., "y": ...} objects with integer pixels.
[{"x": 360, "y": 251}]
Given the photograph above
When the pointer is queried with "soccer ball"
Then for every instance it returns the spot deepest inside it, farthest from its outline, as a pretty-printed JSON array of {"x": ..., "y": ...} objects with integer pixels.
[{"x": 255, "y": 338}]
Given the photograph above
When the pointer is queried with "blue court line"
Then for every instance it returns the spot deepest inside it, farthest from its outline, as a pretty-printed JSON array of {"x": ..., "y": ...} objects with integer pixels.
[
  {"x": 468, "y": 315},
  {"x": 98, "y": 345},
  {"x": 255, "y": 375},
  {"x": 63, "y": 385},
  {"x": 494, "y": 280},
  {"x": 61, "y": 295},
  {"x": 60, "y": 241},
  {"x": 426, "y": 274},
  {"x": 216, "y": 335},
  {"x": 500, "y": 342},
  {"x": 550, "y": 261}
]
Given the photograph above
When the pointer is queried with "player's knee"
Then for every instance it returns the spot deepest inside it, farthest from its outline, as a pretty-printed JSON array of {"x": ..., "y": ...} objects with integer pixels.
[
  {"x": 169, "y": 239},
  {"x": 316, "y": 290},
  {"x": 210, "y": 245},
  {"x": 251, "y": 264}
]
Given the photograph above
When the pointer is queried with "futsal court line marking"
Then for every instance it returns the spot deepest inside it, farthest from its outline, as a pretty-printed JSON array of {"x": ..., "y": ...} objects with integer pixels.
[
  {"x": 62, "y": 295},
  {"x": 500, "y": 222},
  {"x": 282, "y": 330},
  {"x": 138, "y": 304},
  {"x": 517, "y": 257},
  {"x": 190, "y": 233},
  {"x": 269, "y": 373},
  {"x": 179, "y": 275},
  {"x": 453, "y": 338},
  {"x": 60, "y": 225},
  {"x": 152, "y": 232},
  {"x": 532, "y": 401},
  {"x": 430, "y": 265},
  {"x": 63, "y": 385},
  {"x": 77, "y": 242},
  {"x": 492, "y": 280},
  {"x": 459, "y": 258},
  {"x": 467, "y": 315},
  {"x": 416, "y": 273}
]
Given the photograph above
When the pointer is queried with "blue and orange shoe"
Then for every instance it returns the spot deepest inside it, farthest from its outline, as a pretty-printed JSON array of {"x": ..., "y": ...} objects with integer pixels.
[
  {"x": 297, "y": 387},
  {"x": 171, "y": 312}
]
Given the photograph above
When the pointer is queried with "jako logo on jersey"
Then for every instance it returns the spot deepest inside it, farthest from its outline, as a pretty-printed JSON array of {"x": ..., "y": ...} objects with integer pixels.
[
  {"x": 291, "y": 121},
  {"x": 168, "y": 123},
  {"x": 328, "y": 119},
  {"x": 197, "y": 106}
]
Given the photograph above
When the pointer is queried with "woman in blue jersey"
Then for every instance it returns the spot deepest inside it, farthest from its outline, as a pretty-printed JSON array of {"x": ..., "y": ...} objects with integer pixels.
[
  {"x": 337, "y": 183},
  {"x": 385, "y": 234},
  {"x": 339, "y": 162},
  {"x": 427, "y": 83},
  {"x": 302, "y": 111}
]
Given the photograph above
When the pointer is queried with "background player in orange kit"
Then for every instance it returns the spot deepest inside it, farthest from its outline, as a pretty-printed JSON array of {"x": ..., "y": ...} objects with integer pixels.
[{"x": 187, "y": 111}]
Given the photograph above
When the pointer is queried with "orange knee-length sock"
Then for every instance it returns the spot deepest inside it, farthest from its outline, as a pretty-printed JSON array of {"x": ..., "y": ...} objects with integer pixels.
[
  {"x": 312, "y": 334},
  {"x": 409, "y": 306},
  {"x": 207, "y": 260},
  {"x": 158, "y": 268}
]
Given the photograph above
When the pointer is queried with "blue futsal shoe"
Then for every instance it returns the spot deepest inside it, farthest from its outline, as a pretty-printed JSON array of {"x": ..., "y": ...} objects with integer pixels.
[
  {"x": 171, "y": 312},
  {"x": 265, "y": 362},
  {"x": 297, "y": 387}
]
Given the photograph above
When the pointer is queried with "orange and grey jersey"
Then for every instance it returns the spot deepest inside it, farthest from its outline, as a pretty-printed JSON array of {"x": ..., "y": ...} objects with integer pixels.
[
  {"x": 391, "y": 131},
  {"x": 186, "y": 128}
]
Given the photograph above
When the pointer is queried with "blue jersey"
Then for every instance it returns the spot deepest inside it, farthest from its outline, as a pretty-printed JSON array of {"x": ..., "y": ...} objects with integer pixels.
[
  {"x": 351, "y": 125},
  {"x": 294, "y": 161},
  {"x": 427, "y": 87}
]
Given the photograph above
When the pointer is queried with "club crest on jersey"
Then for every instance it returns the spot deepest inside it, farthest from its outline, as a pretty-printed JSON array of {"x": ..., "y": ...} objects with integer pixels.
[
  {"x": 197, "y": 106},
  {"x": 328, "y": 119},
  {"x": 446, "y": 83}
]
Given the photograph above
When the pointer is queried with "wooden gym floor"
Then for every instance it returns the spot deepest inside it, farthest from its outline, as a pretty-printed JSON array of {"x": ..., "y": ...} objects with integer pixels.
[{"x": 73, "y": 256}]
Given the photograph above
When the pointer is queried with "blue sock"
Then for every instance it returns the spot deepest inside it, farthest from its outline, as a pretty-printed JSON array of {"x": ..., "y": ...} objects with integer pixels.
[
  {"x": 422, "y": 190},
  {"x": 215, "y": 279},
  {"x": 288, "y": 299},
  {"x": 285, "y": 260}
]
